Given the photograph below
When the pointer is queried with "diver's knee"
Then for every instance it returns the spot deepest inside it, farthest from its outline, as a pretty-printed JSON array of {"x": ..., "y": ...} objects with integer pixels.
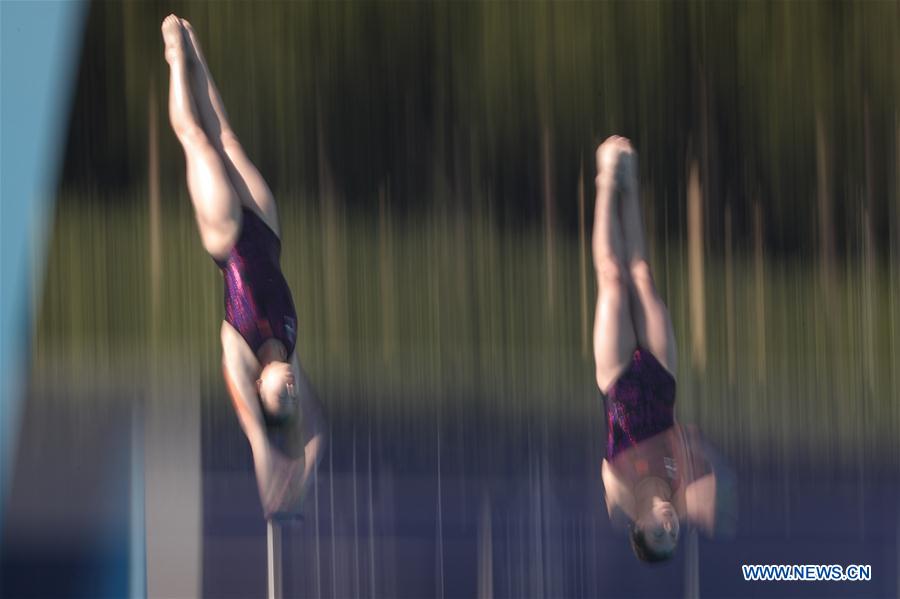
[
  {"x": 640, "y": 273},
  {"x": 611, "y": 274}
]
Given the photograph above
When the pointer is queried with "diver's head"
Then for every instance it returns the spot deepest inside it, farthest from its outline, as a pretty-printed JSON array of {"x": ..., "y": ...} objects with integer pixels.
[
  {"x": 654, "y": 535},
  {"x": 277, "y": 391}
]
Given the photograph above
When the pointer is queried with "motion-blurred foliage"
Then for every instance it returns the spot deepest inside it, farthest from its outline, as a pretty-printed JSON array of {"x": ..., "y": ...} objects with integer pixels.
[
  {"x": 427, "y": 159},
  {"x": 446, "y": 97}
]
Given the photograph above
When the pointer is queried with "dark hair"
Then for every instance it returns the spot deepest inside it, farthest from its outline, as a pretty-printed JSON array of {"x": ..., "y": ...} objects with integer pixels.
[{"x": 643, "y": 551}]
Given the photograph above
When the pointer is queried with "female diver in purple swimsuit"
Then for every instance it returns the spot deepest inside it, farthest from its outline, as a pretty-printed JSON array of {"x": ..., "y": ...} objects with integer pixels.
[
  {"x": 238, "y": 226},
  {"x": 655, "y": 473}
]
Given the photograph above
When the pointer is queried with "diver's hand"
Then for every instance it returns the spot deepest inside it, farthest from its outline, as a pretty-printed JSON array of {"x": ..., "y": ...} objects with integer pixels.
[{"x": 281, "y": 482}]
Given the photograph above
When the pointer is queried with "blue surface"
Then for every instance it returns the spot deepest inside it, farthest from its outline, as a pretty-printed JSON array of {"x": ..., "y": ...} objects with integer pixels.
[{"x": 38, "y": 54}]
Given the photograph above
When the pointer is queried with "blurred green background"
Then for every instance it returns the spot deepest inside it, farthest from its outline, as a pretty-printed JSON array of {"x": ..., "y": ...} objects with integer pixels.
[{"x": 433, "y": 167}]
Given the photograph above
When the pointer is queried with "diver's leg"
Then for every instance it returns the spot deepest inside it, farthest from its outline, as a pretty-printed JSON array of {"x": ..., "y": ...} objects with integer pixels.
[
  {"x": 215, "y": 204},
  {"x": 652, "y": 323},
  {"x": 614, "y": 338},
  {"x": 245, "y": 177}
]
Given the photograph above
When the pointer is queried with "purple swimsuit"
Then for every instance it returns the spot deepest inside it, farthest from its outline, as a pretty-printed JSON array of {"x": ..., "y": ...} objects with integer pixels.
[
  {"x": 258, "y": 300},
  {"x": 640, "y": 404}
]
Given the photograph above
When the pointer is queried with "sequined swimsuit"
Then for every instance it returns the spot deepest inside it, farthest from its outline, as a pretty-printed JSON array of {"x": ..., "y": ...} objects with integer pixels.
[
  {"x": 640, "y": 404},
  {"x": 258, "y": 300}
]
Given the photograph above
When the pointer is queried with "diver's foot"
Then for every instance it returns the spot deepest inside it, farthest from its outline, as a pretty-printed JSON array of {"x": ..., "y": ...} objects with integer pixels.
[
  {"x": 173, "y": 37},
  {"x": 197, "y": 54},
  {"x": 616, "y": 162}
]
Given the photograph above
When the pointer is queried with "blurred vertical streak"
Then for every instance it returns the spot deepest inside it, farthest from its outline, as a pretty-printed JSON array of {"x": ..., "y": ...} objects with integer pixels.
[
  {"x": 729, "y": 296},
  {"x": 869, "y": 257},
  {"x": 695, "y": 266},
  {"x": 386, "y": 280},
  {"x": 543, "y": 79},
  {"x": 536, "y": 528},
  {"x": 172, "y": 502},
  {"x": 868, "y": 367},
  {"x": 894, "y": 282},
  {"x": 39, "y": 43},
  {"x": 138, "y": 574},
  {"x": 153, "y": 197},
  {"x": 372, "y": 593},
  {"x": 318, "y": 533},
  {"x": 549, "y": 213},
  {"x": 173, "y": 480},
  {"x": 334, "y": 589},
  {"x": 507, "y": 543},
  {"x": 439, "y": 554},
  {"x": 582, "y": 266},
  {"x": 542, "y": 531},
  {"x": 760, "y": 293},
  {"x": 137, "y": 559},
  {"x": 827, "y": 330},
  {"x": 826, "y": 226},
  {"x": 333, "y": 254},
  {"x": 897, "y": 549},
  {"x": 692, "y": 566},
  {"x": 356, "y": 582},
  {"x": 485, "y": 550},
  {"x": 273, "y": 555}
]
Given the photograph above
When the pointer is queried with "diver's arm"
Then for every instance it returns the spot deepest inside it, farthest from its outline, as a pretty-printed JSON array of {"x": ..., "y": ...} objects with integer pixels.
[
  {"x": 246, "y": 407},
  {"x": 310, "y": 432},
  {"x": 242, "y": 390},
  {"x": 286, "y": 473},
  {"x": 710, "y": 495},
  {"x": 276, "y": 476},
  {"x": 700, "y": 503},
  {"x": 618, "y": 495},
  {"x": 281, "y": 481}
]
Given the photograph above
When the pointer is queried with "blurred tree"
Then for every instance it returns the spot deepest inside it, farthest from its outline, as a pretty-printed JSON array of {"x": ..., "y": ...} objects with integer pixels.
[{"x": 488, "y": 95}]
